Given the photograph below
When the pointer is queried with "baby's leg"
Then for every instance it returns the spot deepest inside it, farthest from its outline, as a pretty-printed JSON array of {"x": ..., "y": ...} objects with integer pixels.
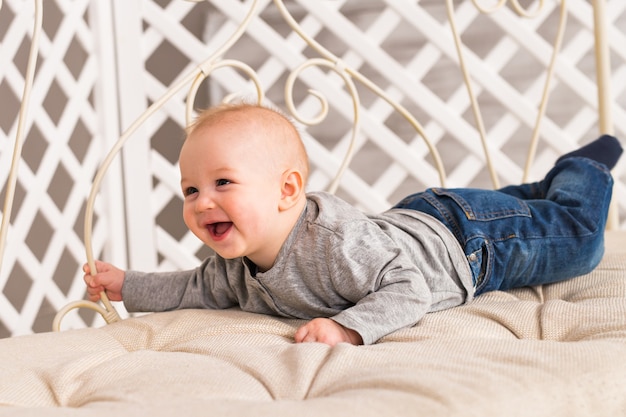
[
  {"x": 510, "y": 242},
  {"x": 606, "y": 150},
  {"x": 563, "y": 237}
]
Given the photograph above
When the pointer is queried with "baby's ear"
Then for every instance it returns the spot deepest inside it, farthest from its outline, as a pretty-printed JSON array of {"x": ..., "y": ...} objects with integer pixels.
[{"x": 292, "y": 189}]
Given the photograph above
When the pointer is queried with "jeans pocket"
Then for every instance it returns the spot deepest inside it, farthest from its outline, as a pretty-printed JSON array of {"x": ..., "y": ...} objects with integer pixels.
[
  {"x": 485, "y": 205},
  {"x": 479, "y": 261}
]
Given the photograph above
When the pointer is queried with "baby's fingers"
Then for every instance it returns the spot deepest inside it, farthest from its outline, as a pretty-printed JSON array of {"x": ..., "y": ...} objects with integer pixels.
[
  {"x": 300, "y": 334},
  {"x": 94, "y": 288},
  {"x": 94, "y": 292}
]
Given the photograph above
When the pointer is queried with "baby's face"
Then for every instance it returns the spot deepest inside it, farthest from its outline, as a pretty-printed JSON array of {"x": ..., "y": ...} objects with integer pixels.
[{"x": 231, "y": 192}]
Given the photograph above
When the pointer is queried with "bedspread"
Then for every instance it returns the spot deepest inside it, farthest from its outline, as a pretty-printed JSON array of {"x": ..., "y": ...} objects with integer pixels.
[{"x": 555, "y": 350}]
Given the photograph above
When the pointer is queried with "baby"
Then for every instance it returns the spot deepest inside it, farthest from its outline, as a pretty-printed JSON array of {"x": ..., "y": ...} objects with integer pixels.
[{"x": 357, "y": 277}]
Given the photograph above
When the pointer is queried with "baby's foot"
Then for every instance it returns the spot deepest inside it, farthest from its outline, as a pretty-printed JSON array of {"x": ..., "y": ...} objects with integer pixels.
[{"x": 606, "y": 150}]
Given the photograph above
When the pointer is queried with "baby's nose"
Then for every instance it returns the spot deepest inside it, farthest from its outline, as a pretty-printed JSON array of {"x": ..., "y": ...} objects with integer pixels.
[{"x": 205, "y": 202}]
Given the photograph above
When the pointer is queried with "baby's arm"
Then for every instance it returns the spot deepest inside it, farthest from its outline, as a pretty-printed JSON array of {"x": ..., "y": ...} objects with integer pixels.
[
  {"x": 108, "y": 278},
  {"x": 327, "y": 331}
]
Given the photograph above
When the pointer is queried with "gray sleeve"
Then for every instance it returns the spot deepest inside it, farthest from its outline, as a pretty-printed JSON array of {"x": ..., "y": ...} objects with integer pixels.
[
  {"x": 204, "y": 287},
  {"x": 391, "y": 308},
  {"x": 387, "y": 290}
]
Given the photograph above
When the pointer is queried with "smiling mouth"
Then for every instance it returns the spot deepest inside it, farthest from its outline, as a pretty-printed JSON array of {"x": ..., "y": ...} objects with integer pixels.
[{"x": 219, "y": 229}]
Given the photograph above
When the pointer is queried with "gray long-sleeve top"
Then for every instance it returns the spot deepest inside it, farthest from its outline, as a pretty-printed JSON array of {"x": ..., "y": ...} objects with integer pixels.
[{"x": 371, "y": 273}]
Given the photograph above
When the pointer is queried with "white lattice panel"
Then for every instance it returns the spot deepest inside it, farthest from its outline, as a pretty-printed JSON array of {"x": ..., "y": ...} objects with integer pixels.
[
  {"x": 67, "y": 135},
  {"x": 405, "y": 47}
]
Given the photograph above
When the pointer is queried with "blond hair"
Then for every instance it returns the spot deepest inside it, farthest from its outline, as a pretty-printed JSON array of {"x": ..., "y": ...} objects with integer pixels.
[{"x": 285, "y": 138}]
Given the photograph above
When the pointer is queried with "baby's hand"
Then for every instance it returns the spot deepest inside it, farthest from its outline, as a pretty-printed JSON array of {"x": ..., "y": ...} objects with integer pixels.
[
  {"x": 327, "y": 331},
  {"x": 108, "y": 278}
]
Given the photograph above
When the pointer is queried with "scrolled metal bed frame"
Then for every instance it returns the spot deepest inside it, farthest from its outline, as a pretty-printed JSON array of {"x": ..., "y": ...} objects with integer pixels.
[{"x": 350, "y": 77}]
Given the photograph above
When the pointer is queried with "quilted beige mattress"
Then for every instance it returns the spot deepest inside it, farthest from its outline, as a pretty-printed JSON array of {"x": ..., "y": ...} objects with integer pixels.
[{"x": 557, "y": 350}]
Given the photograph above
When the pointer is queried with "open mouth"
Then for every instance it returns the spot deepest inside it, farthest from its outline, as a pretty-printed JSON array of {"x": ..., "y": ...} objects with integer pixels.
[{"x": 220, "y": 229}]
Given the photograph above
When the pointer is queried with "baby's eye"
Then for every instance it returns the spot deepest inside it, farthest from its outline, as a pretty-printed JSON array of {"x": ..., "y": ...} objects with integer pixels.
[
  {"x": 221, "y": 182},
  {"x": 189, "y": 190}
]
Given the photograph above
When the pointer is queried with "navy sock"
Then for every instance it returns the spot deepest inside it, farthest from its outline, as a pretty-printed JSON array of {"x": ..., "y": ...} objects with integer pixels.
[{"x": 606, "y": 150}]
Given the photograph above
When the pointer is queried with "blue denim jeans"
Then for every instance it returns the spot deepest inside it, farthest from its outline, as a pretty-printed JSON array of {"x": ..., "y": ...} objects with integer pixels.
[{"x": 527, "y": 234}]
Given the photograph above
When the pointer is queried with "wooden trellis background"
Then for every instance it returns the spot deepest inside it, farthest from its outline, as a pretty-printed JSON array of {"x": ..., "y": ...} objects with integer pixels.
[{"x": 102, "y": 63}]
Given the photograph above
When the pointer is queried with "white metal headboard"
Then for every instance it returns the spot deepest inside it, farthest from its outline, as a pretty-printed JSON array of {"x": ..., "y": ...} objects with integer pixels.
[{"x": 345, "y": 87}]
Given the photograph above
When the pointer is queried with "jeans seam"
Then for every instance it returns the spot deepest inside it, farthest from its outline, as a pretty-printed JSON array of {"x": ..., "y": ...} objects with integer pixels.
[
  {"x": 523, "y": 209},
  {"x": 445, "y": 214}
]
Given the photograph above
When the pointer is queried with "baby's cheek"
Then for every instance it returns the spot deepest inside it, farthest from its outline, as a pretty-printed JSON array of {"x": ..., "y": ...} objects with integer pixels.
[{"x": 188, "y": 216}]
